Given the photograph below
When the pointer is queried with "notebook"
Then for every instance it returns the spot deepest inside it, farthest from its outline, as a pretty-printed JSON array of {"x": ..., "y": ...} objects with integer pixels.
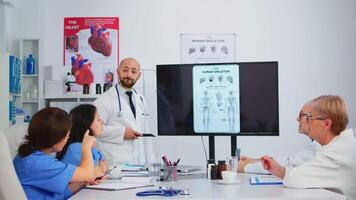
[{"x": 265, "y": 180}]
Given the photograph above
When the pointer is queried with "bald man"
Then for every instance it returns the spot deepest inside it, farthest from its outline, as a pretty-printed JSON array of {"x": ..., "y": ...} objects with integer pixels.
[{"x": 125, "y": 115}]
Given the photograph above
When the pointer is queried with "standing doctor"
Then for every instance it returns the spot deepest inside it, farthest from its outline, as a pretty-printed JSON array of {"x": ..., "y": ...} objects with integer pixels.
[{"x": 125, "y": 117}]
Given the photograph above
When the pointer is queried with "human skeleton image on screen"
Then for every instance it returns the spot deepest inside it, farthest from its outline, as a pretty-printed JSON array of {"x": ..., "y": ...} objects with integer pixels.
[{"x": 215, "y": 98}]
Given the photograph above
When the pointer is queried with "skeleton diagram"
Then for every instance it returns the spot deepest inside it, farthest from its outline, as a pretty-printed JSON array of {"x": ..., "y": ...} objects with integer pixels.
[
  {"x": 231, "y": 104},
  {"x": 219, "y": 99},
  {"x": 205, "y": 105}
]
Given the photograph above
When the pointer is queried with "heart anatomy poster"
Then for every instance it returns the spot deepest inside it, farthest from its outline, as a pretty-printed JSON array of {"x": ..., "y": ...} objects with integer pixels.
[{"x": 91, "y": 48}]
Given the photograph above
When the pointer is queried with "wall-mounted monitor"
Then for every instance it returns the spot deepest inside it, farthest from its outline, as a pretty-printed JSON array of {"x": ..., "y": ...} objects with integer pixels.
[{"x": 218, "y": 99}]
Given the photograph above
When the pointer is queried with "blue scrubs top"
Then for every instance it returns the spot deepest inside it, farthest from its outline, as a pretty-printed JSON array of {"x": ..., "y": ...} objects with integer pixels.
[
  {"x": 73, "y": 154},
  {"x": 43, "y": 177}
]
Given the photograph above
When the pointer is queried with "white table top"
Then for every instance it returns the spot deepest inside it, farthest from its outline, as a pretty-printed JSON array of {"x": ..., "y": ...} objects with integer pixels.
[{"x": 202, "y": 188}]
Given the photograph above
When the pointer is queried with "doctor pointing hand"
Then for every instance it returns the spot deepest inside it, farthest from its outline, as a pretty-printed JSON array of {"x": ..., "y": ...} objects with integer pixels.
[{"x": 125, "y": 115}]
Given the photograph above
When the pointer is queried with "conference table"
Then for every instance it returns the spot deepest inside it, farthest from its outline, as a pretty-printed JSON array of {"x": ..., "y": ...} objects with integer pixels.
[{"x": 200, "y": 187}]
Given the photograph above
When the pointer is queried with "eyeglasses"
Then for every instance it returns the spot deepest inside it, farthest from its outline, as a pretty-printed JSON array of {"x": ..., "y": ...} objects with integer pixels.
[{"x": 310, "y": 117}]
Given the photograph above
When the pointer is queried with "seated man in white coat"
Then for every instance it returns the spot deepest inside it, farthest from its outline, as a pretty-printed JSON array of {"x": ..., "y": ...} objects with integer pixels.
[
  {"x": 251, "y": 165},
  {"x": 125, "y": 117},
  {"x": 333, "y": 167}
]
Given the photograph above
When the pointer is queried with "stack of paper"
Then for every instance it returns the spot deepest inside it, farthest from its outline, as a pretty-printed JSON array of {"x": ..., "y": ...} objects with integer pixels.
[
  {"x": 112, "y": 185},
  {"x": 265, "y": 180},
  {"x": 141, "y": 180}
]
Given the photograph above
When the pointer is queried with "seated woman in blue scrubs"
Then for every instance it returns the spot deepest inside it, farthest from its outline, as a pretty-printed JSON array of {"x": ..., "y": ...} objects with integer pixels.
[
  {"x": 84, "y": 117},
  {"x": 40, "y": 174}
]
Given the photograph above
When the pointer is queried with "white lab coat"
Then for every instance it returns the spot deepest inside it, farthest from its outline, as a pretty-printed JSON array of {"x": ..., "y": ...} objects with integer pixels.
[
  {"x": 333, "y": 168},
  {"x": 111, "y": 143},
  {"x": 291, "y": 161}
]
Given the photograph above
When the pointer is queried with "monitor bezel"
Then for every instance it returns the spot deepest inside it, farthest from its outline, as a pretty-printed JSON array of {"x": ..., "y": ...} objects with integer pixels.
[{"x": 220, "y": 133}]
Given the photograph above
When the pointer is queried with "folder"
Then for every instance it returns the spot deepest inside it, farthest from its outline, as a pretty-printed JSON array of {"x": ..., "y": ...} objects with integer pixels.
[{"x": 265, "y": 180}]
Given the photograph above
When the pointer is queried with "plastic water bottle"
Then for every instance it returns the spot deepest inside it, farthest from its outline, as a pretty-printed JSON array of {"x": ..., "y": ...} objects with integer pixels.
[{"x": 30, "y": 65}]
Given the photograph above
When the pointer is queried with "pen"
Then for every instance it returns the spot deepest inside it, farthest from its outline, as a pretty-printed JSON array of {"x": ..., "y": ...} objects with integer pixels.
[
  {"x": 176, "y": 163},
  {"x": 106, "y": 173},
  {"x": 266, "y": 162},
  {"x": 165, "y": 160}
]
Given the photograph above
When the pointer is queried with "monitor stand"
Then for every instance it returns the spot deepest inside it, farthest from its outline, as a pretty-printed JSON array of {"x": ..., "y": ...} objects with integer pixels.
[{"x": 212, "y": 146}]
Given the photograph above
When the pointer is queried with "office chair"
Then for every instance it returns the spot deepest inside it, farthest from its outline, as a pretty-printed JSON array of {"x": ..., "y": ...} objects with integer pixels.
[
  {"x": 14, "y": 136},
  {"x": 10, "y": 187}
]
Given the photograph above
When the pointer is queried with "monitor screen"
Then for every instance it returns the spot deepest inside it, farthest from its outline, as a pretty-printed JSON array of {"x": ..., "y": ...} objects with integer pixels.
[{"x": 218, "y": 99}]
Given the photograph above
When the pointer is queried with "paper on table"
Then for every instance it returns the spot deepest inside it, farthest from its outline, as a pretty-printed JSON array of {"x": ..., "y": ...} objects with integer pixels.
[
  {"x": 265, "y": 180},
  {"x": 112, "y": 185},
  {"x": 141, "y": 180}
]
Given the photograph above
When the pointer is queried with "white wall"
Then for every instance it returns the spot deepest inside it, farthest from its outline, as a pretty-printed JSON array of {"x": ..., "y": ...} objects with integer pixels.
[
  {"x": 2, "y": 30},
  {"x": 23, "y": 21},
  {"x": 313, "y": 40}
]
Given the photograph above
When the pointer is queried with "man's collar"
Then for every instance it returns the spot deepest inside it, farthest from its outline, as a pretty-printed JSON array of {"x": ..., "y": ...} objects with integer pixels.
[{"x": 122, "y": 89}]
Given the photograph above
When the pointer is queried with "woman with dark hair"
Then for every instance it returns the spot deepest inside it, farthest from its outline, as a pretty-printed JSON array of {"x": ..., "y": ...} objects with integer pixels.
[
  {"x": 41, "y": 175},
  {"x": 84, "y": 117}
]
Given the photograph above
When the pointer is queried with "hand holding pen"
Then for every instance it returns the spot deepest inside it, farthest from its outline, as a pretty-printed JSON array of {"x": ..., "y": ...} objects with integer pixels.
[
  {"x": 272, "y": 166},
  {"x": 106, "y": 173}
]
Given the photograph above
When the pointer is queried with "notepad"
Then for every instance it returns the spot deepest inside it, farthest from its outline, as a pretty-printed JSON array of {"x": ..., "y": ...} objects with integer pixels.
[
  {"x": 112, "y": 185},
  {"x": 265, "y": 180}
]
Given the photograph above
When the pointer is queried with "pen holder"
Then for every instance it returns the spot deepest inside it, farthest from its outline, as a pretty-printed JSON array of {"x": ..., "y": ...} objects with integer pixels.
[
  {"x": 170, "y": 173},
  {"x": 233, "y": 164},
  {"x": 154, "y": 170}
]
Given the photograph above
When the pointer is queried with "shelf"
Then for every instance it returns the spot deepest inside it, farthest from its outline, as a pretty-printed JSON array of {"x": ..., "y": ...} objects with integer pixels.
[
  {"x": 15, "y": 94},
  {"x": 72, "y": 96},
  {"x": 29, "y": 75},
  {"x": 30, "y": 101},
  {"x": 29, "y": 81}
]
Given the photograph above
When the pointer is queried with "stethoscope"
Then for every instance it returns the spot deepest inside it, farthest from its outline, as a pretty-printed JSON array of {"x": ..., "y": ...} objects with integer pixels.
[
  {"x": 119, "y": 101},
  {"x": 163, "y": 192}
]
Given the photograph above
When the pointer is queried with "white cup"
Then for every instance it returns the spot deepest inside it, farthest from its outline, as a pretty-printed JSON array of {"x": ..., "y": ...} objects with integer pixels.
[{"x": 229, "y": 176}]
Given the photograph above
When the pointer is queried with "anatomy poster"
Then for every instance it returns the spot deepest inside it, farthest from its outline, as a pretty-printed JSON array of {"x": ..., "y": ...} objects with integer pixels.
[
  {"x": 91, "y": 47},
  {"x": 208, "y": 48},
  {"x": 216, "y": 105}
]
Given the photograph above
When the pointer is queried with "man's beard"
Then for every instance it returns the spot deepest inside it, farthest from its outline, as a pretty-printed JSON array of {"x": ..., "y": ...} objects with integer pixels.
[{"x": 128, "y": 84}]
